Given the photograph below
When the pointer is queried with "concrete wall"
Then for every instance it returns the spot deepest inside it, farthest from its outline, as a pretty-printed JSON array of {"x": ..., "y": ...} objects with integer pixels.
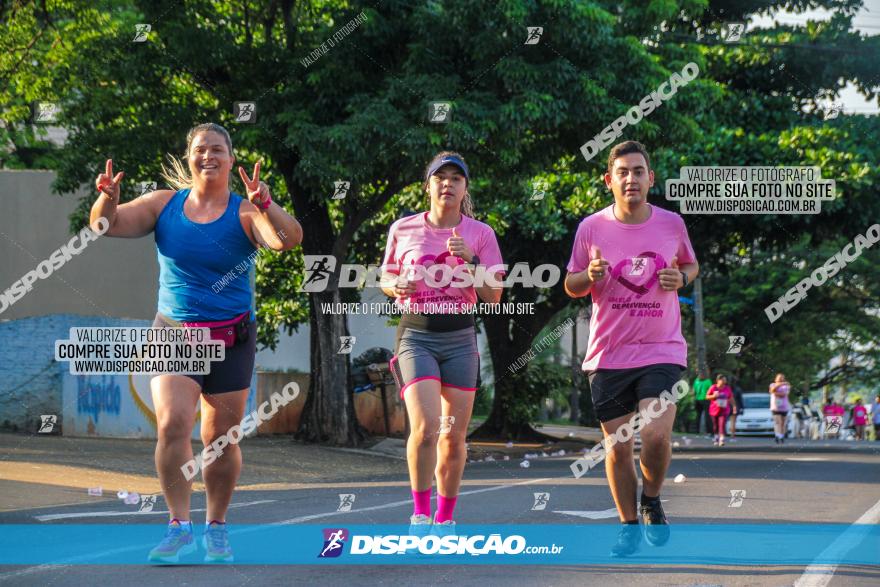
[
  {"x": 31, "y": 381},
  {"x": 110, "y": 278}
]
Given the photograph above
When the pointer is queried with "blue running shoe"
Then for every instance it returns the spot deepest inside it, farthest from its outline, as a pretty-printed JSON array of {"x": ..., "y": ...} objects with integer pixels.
[
  {"x": 216, "y": 543},
  {"x": 178, "y": 540}
]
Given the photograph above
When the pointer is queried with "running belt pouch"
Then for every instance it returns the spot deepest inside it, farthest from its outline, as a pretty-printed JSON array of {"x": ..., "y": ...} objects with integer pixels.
[
  {"x": 230, "y": 332},
  {"x": 242, "y": 331}
]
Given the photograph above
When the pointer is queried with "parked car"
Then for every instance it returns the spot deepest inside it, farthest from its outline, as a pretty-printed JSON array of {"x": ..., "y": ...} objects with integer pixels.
[{"x": 756, "y": 418}]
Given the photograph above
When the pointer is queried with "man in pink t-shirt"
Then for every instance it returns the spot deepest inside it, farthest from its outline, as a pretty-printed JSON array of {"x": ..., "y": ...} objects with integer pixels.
[{"x": 633, "y": 258}]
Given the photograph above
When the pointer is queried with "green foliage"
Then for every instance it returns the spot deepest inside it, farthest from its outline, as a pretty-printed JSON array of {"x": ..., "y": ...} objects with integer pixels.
[
  {"x": 542, "y": 379},
  {"x": 520, "y": 113},
  {"x": 483, "y": 401}
]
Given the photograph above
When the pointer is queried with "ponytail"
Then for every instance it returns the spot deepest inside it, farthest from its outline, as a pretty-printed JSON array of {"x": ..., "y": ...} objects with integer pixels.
[
  {"x": 177, "y": 174},
  {"x": 467, "y": 206}
]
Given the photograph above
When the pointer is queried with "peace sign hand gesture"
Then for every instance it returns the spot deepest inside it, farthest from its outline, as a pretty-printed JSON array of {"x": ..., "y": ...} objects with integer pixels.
[
  {"x": 257, "y": 191},
  {"x": 107, "y": 183}
]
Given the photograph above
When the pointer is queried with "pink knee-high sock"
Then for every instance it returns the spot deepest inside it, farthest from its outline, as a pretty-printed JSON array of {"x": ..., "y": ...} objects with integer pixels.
[
  {"x": 422, "y": 502},
  {"x": 445, "y": 507}
]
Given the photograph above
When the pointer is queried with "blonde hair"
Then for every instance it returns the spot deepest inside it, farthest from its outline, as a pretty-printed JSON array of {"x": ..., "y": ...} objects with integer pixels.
[
  {"x": 177, "y": 173},
  {"x": 467, "y": 205}
]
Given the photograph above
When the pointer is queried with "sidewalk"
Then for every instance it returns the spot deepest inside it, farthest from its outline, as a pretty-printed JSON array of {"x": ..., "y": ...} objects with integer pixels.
[
  {"x": 689, "y": 442},
  {"x": 574, "y": 440},
  {"x": 48, "y": 470}
]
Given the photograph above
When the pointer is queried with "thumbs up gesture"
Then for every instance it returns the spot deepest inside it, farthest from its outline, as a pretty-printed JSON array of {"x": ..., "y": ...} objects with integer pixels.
[
  {"x": 456, "y": 246},
  {"x": 670, "y": 277},
  {"x": 107, "y": 183},
  {"x": 598, "y": 267}
]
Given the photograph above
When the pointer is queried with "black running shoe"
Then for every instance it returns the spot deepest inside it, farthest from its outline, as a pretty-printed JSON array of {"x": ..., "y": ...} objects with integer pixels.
[
  {"x": 656, "y": 524},
  {"x": 628, "y": 540}
]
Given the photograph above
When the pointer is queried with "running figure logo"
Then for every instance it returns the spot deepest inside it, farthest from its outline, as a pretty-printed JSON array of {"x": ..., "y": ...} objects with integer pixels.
[
  {"x": 638, "y": 266},
  {"x": 538, "y": 190},
  {"x": 46, "y": 112},
  {"x": 146, "y": 187},
  {"x": 346, "y": 500},
  {"x": 439, "y": 111},
  {"x": 140, "y": 32},
  {"x": 334, "y": 540},
  {"x": 736, "y": 344},
  {"x": 737, "y": 496},
  {"x": 147, "y": 504},
  {"x": 319, "y": 268},
  {"x": 541, "y": 500},
  {"x": 245, "y": 112},
  {"x": 639, "y": 274},
  {"x": 733, "y": 32},
  {"x": 446, "y": 423},
  {"x": 47, "y": 424},
  {"x": 535, "y": 33},
  {"x": 346, "y": 345},
  {"x": 340, "y": 189},
  {"x": 833, "y": 111},
  {"x": 833, "y": 425}
]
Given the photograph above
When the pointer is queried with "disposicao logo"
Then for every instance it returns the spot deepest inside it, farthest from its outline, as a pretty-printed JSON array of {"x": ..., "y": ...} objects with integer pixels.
[{"x": 334, "y": 540}]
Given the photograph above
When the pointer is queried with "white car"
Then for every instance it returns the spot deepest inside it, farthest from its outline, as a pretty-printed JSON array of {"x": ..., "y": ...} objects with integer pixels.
[{"x": 756, "y": 418}]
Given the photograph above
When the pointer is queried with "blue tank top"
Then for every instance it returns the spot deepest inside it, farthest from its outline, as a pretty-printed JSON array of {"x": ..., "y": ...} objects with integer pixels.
[{"x": 206, "y": 271}]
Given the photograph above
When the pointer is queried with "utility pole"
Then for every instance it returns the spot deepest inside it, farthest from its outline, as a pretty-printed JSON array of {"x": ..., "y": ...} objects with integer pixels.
[
  {"x": 699, "y": 334},
  {"x": 575, "y": 396}
]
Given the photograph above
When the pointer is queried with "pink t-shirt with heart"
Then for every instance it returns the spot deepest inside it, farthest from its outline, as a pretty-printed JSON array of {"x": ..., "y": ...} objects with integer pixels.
[
  {"x": 412, "y": 241},
  {"x": 860, "y": 415},
  {"x": 634, "y": 322}
]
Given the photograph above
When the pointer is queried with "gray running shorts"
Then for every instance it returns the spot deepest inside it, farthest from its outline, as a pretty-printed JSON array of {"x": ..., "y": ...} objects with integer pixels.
[{"x": 449, "y": 357}]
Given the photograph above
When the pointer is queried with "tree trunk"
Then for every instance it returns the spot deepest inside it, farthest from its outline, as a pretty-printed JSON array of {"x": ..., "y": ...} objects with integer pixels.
[
  {"x": 575, "y": 396},
  {"x": 328, "y": 415}
]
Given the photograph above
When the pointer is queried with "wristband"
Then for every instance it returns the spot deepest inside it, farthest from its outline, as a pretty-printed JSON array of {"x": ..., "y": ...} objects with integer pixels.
[
  {"x": 265, "y": 205},
  {"x": 684, "y": 276}
]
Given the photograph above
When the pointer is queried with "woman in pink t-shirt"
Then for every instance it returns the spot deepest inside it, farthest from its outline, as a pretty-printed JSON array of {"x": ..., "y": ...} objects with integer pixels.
[
  {"x": 437, "y": 263},
  {"x": 859, "y": 418},
  {"x": 779, "y": 391},
  {"x": 720, "y": 397}
]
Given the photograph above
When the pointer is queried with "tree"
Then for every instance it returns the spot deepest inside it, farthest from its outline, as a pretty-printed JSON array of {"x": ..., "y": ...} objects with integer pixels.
[{"x": 358, "y": 112}]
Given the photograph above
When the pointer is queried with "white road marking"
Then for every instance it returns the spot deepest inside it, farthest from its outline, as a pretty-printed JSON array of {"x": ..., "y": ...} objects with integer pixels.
[
  {"x": 819, "y": 575},
  {"x": 50, "y": 517},
  {"x": 598, "y": 515}
]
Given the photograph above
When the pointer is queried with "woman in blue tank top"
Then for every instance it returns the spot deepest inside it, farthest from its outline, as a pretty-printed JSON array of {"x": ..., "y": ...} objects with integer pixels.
[{"x": 206, "y": 239}]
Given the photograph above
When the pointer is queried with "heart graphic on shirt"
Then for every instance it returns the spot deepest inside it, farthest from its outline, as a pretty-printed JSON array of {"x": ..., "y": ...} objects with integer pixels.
[
  {"x": 649, "y": 278},
  {"x": 428, "y": 261}
]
